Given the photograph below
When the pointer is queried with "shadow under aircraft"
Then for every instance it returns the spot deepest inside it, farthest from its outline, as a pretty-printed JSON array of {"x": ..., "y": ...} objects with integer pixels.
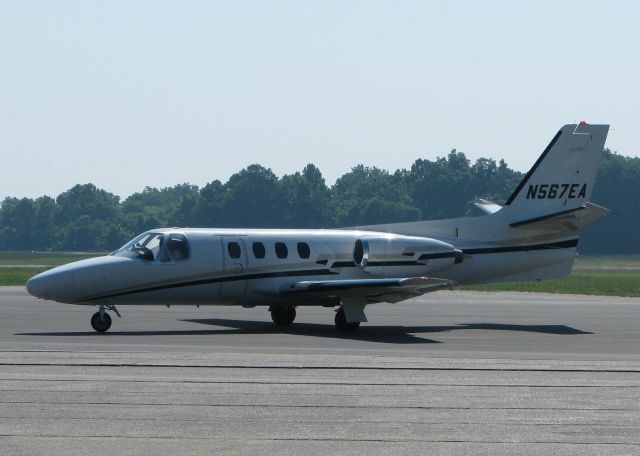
[{"x": 379, "y": 334}]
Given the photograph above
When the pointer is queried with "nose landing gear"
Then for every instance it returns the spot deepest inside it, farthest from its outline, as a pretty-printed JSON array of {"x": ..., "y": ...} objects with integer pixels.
[
  {"x": 101, "y": 320},
  {"x": 101, "y": 323}
]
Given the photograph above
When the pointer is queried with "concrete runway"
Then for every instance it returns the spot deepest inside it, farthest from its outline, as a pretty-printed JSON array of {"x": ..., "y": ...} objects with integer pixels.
[{"x": 449, "y": 373}]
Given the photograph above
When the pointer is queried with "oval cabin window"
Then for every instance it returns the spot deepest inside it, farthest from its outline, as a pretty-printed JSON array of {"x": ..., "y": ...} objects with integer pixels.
[
  {"x": 258, "y": 250},
  {"x": 281, "y": 250},
  {"x": 303, "y": 250}
]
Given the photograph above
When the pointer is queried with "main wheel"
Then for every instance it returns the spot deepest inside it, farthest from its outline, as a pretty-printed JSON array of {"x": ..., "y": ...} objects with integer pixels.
[
  {"x": 342, "y": 324},
  {"x": 101, "y": 323},
  {"x": 283, "y": 315}
]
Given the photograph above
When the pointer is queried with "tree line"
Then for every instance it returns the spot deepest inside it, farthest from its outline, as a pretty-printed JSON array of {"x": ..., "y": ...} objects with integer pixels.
[{"x": 87, "y": 218}]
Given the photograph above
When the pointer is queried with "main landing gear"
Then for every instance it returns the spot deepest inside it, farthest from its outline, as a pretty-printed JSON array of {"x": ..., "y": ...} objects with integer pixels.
[
  {"x": 348, "y": 316},
  {"x": 283, "y": 315},
  {"x": 342, "y": 324},
  {"x": 101, "y": 320}
]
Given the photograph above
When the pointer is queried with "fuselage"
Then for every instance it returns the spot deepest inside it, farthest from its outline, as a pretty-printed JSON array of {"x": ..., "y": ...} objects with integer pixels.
[{"x": 251, "y": 267}]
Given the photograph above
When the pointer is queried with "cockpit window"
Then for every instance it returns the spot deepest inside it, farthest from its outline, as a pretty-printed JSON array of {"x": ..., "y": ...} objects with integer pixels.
[
  {"x": 147, "y": 246},
  {"x": 178, "y": 247},
  {"x": 153, "y": 243},
  {"x": 156, "y": 246}
]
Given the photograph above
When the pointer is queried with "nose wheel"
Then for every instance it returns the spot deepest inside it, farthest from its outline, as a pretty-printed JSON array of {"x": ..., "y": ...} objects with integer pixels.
[{"x": 101, "y": 321}]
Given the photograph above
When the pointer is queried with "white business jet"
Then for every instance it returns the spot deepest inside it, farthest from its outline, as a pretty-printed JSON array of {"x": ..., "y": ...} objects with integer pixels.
[{"x": 533, "y": 236}]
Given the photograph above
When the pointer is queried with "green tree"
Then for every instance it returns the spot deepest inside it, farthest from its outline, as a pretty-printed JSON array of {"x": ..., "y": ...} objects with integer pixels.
[
  {"x": 17, "y": 221},
  {"x": 87, "y": 233},
  {"x": 372, "y": 195},
  {"x": 615, "y": 189},
  {"x": 83, "y": 214},
  {"x": 441, "y": 189},
  {"x": 43, "y": 231},
  {"x": 252, "y": 199},
  {"x": 155, "y": 208},
  {"x": 305, "y": 200},
  {"x": 207, "y": 208},
  {"x": 495, "y": 182}
]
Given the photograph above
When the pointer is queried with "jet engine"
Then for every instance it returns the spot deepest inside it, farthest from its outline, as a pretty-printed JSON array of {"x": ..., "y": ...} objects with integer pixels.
[{"x": 376, "y": 255}]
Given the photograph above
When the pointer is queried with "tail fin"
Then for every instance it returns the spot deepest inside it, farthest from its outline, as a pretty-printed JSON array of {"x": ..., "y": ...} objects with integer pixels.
[
  {"x": 562, "y": 179},
  {"x": 549, "y": 205}
]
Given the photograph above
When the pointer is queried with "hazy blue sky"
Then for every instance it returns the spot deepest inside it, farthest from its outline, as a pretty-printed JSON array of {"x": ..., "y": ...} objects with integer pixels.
[{"x": 129, "y": 94}]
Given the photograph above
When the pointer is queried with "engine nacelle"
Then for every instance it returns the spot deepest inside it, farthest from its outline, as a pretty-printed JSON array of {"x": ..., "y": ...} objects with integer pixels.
[{"x": 378, "y": 255}]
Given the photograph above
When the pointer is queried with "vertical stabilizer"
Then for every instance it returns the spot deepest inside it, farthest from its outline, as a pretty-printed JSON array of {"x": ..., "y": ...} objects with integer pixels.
[
  {"x": 550, "y": 205},
  {"x": 562, "y": 178}
]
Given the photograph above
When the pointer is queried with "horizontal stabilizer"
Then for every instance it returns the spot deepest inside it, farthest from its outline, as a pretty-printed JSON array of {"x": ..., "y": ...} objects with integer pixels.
[
  {"x": 486, "y": 206},
  {"x": 571, "y": 220}
]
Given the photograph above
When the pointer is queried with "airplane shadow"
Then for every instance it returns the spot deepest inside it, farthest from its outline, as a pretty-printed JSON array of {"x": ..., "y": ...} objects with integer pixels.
[
  {"x": 380, "y": 334},
  {"x": 386, "y": 334},
  {"x": 545, "y": 329},
  {"x": 315, "y": 329}
]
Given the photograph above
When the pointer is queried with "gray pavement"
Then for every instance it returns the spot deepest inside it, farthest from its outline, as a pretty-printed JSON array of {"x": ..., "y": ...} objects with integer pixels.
[{"x": 449, "y": 373}]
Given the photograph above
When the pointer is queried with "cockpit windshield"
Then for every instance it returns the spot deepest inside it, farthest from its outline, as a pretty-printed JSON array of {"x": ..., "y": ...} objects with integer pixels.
[{"x": 156, "y": 246}]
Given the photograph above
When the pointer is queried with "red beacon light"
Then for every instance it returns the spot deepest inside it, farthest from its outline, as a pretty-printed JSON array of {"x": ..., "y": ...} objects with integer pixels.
[{"x": 583, "y": 122}]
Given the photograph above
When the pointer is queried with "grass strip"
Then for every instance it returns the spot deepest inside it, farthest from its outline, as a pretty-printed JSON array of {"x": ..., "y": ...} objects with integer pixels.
[{"x": 605, "y": 283}]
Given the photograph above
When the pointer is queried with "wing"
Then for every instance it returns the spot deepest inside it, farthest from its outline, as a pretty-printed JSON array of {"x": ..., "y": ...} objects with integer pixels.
[{"x": 375, "y": 290}]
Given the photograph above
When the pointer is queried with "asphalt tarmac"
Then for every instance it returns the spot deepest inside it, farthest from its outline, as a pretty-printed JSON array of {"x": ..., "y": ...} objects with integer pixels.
[{"x": 448, "y": 373}]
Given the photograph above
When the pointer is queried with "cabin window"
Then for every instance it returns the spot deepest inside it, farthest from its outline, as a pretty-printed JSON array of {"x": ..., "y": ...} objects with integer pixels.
[
  {"x": 281, "y": 250},
  {"x": 178, "y": 247},
  {"x": 258, "y": 250},
  {"x": 303, "y": 250},
  {"x": 234, "y": 249}
]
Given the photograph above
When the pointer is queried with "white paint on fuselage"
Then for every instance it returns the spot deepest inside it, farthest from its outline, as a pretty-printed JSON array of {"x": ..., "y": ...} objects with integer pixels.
[{"x": 211, "y": 277}]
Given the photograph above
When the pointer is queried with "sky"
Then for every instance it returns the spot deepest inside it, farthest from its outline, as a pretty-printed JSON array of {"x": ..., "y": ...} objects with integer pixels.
[{"x": 128, "y": 94}]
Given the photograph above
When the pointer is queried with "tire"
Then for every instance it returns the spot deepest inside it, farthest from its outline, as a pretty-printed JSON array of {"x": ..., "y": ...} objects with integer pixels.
[
  {"x": 283, "y": 315},
  {"x": 341, "y": 322},
  {"x": 100, "y": 324}
]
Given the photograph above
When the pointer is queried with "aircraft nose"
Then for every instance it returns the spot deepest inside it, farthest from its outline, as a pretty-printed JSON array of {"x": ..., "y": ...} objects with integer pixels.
[
  {"x": 53, "y": 284},
  {"x": 36, "y": 286},
  {"x": 76, "y": 282}
]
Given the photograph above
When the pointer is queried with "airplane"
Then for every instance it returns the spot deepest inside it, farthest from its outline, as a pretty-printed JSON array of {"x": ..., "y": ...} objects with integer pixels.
[{"x": 533, "y": 236}]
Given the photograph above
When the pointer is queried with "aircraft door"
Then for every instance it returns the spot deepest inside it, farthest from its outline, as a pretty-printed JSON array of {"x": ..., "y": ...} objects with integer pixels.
[{"x": 234, "y": 260}]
